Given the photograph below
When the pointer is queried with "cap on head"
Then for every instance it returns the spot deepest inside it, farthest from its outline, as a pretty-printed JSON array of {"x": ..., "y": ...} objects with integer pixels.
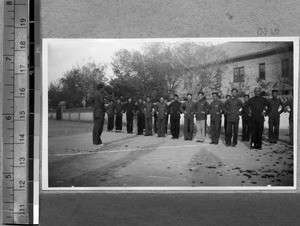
[
  {"x": 228, "y": 96},
  {"x": 246, "y": 95},
  {"x": 274, "y": 91},
  {"x": 234, "y": 89},
  {"x": 200, "y": 92}
]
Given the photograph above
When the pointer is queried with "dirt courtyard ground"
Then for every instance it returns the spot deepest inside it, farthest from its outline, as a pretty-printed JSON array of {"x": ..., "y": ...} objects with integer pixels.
[{"x": 129, "y": 160}]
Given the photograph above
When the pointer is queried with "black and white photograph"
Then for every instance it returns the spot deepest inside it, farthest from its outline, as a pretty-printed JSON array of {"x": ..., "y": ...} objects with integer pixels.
[{"x": 174, "y": 114}]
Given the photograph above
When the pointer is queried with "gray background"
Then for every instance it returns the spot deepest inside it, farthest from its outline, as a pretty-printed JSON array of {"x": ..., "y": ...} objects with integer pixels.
[{"x": 166, "y": 19}]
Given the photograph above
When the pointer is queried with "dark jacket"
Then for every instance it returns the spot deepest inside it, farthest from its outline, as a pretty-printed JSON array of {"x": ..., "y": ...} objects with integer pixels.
[
  {"x": 215, "y": 110},
  {"x": 257, "y": 106},
  {"x": 161, "y": 109},
  {"x": 148, "y": 109},
  {"x": 119, "y": 109},
  {"x": 110, "y": 110},
  {"x": 128, "y": 108},
  {"x": 189, "y": 108},
  {"x": 138, "y": 108},
  {"x": 99, "y": 101},
  {"x": 201, "y": 109},
  {"x": 245, "y": 112},
  {"x": 232, "y": 109},
  {"x": 275, "y": 103},
  {"x": 174, "y": 109}
]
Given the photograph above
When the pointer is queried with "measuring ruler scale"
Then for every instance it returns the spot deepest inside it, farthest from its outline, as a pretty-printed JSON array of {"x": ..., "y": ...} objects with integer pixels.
[{"x": 18, "y": 109}]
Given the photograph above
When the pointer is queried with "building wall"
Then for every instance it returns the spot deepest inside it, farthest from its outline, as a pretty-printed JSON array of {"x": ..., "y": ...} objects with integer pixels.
[{"x": 273, "y": 70}]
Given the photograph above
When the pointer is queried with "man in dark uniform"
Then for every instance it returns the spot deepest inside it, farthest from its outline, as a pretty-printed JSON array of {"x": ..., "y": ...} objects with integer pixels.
[
  {"x": 155, "y": 119},
  {"x": 274, "y": 117},
  {"x": 245, "y": 120},
  {"x": 148, "y": 111},
  {"x": 288, "y": 107},
  {"x": 110, "y": 110},
  {"x": 98, "y": 115},
  {"x": 140, "y": 116},
  {"x": 167, "y": 116},
  {"x": 232, "y": 109},
  {"x": 129, "y": 106},
  {"x": 188, "y": 108},
  {"x": 215, "y": 110},
  {"x": 228, "y": 97},
  {"x": 161, "y": 110},
  {"x": 119, "y": 115},
  {"x": 201, "y": 110},
  {"x": 175, "y": 111},
  {"x": 258, "y": 105}
]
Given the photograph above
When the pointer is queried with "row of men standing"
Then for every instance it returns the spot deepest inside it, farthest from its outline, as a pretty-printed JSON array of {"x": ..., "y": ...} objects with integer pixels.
[{"x": 253, "y": 112}]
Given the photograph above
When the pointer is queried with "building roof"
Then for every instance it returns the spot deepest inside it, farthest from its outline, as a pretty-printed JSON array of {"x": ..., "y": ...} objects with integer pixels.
[{"x": 236, "y": 49}]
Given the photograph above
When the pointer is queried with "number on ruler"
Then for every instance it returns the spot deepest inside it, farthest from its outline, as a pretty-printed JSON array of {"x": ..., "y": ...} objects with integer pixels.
[
  {"x": 22, "y": 208},
  {"x": 22, "y": 183},
  {"x": 22, "y": 45},
  {"x": 22, "y": 138},
  {"x": 22, "y": 68},
  {"x": 22, "y": 22},
  {"x": 22, "y": 114},
  {"x": 22, "y": 160},
  {"x": 8, "y": 118},
  {"x": 22, "y": 91}
]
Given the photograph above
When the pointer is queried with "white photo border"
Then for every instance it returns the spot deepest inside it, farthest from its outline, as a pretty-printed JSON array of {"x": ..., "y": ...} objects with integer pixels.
[{"x": 44, "y": 147}]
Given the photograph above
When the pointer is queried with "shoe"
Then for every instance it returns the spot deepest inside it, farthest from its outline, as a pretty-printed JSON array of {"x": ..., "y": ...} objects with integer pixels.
[
  {"x": 227, "y": 145},
  {"x": 259, "y": 148},
  {"x": 271, "y": 142},
  {"x": 216, "y": 143},
  {"x": 275, "y": 142},
  {"x": 212, "y": 142},
  {"x": 233, "y": 145},
  {"x": 99, "y": 145}
]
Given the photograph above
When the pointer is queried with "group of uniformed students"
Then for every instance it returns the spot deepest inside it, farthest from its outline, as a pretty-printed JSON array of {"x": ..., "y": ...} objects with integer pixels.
[{"x": 253, "y": 111}]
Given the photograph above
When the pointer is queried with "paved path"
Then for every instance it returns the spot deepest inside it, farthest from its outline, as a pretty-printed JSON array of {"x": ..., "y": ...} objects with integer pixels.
[{"x": 129, "y": 160}]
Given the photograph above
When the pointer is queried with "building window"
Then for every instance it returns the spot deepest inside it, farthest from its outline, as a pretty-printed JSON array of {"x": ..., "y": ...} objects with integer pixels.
[
  {"x": 262, "y": 71},
  {"x": 239, "y": 74},
  {"x": 285, "y": 68}
]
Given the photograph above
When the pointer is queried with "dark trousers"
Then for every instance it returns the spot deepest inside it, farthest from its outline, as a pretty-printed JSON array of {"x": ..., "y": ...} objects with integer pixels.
[
  {"x": 161, "y": 124},
  {"x": 246, "y": 129},
  {"x": 155, "y": 124},
  {"x": 228, "y": 135},
  {"x": 175, "y": 127},
  {"x": 291, "y": 129},
  {"x": 188, "y": 128},
  {"x": 110, "y": 123},
  {"x": 119, "y": 122},
  {"x": 148, "y": 126},
  {"x": 140, "y": 123},
  {"x": 129, "y": 120},
  {"x": 273, "y": 129},
  {"x": 215, "y": 131},
  {"x": 256, "y": 133},
  {"x": 98, "y": 128},
  {"x": 166, "y": 122}
]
